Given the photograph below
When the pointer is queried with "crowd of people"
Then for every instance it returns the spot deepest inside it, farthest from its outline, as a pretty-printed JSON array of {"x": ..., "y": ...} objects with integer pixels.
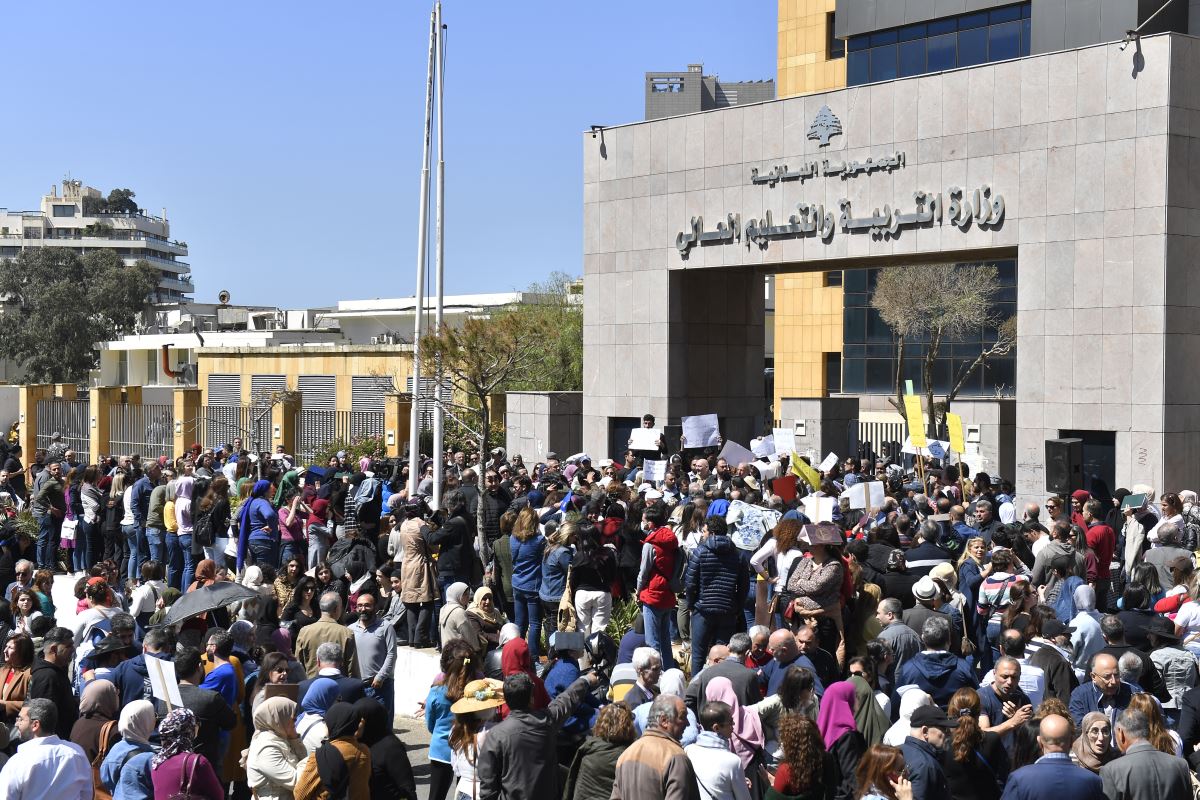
[{"x": 599, "y": 635}]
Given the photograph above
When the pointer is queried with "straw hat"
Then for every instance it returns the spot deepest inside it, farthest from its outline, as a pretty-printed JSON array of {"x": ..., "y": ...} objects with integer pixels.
[{"x": 479, "y": 696}]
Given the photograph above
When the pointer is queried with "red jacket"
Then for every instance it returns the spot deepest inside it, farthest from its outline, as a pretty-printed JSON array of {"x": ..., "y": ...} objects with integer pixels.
[
  {"x": 1103, "y": 542},
  {"x": 657, "y": 593}
]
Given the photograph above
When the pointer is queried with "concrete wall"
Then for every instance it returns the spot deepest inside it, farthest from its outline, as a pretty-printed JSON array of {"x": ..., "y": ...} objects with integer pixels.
[
  {"x": 537, "y": 423},
  {"x": 1077, "y": 142},
  {"x": 827, "y": 423}
]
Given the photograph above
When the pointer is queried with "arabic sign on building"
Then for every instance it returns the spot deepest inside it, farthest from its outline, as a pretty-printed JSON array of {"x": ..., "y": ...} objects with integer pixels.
[
  {"x": 827, "y": 168},
  {"x": 824, "y": 125},
  {"x": 980, "y": 207}
]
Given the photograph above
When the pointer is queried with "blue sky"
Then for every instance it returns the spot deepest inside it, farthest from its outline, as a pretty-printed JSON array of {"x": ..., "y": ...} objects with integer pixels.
[{"x": 284, "y": 138}]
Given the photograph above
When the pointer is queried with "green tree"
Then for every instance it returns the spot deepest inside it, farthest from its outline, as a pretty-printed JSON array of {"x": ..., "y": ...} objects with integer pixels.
[
  {"x": 479, "y": 358},
  {"x": 933, "y": 303},
  {"x": 59, "y": 304},
  {"x": 554, "y": 304},
  {"x": 120, "y": 201}
]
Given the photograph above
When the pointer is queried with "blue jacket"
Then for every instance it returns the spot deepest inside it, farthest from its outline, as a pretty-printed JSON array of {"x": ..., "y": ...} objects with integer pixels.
[
  {"x": 565, "y": 672},
  {"x": 1086, "y": 699},
  {"x": 554, "y": 574},
  {"x": 140, "y": 501},
  {"x": 125, "y": 771},
  {"x": 924, "y": 770},
  {"x": 527, "y": 562},
  {"x": 1053, "y": 777},
  {"x": 939, "y": 674},
  {"x": 717, "y": 578},
  {"x": 133, "y": 678},
  {"x": 773, "y": 673}
]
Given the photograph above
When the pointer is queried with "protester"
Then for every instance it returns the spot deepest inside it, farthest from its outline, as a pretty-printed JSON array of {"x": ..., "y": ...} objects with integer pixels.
[
  {"x": 125, "y": 771},
  {"x": 45, "y": 766},
  {"x": 177, "y": 768},
  {"x": 341, "y": 765}
]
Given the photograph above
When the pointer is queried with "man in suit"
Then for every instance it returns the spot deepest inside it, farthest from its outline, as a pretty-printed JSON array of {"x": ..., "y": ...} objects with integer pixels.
[
  {"x": 1105, "y": 692},
  {"x": 1144, "y": 772},
  {"x": 1054, "y": 776},
  {"x": 722, "y": 664}
]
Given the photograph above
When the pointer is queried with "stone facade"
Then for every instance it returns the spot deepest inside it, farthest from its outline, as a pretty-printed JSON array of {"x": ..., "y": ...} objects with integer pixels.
[
  {"x": 537, "y": 423},
  {"x": 1096, "y": 152}
]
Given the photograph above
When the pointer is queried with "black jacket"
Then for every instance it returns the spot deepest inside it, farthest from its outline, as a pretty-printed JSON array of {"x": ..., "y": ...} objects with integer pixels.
[
  {"x": 717, "y": 577},
  {"x": 51, "y": 683},
  {"x": 982, "y": 775},
  {"x": 1060, "y": 677},
  {"x": 745, "y": 683},
  {"x": 1189, "y": 724},
  {"x": 847, "y": 751},
  {"x": 593, "y": 770},
  {"x": 454, "y": 539},
  {"x": 212, "y": 713}
]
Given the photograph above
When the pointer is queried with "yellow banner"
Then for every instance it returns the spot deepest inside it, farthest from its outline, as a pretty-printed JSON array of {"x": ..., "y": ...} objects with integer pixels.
[
  {"x": 954, "y": 424},
  {"x": 916, "y": 420},
  {"x": 802, "y": 470}
]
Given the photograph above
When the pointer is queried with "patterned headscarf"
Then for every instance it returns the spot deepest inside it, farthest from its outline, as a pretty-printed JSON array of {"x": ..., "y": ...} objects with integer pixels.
[{"x": 177, "y": 732}]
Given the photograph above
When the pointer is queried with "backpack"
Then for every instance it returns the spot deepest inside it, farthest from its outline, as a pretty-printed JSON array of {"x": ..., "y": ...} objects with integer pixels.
[
  {"x": 678, "y": 577},
  {"x": 202, "y": 531}
]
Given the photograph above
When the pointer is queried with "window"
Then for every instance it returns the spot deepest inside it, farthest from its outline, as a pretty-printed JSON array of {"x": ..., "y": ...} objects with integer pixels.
[
  {"x": 833, "y": 278},
  {"x": 123, "y": 368},
  {"x": 152, "y": 359},
  {"x": 834, "y": 47},
  {"x": 666, "y": 85},
  {"x": 64, "y": 211},
  {"x": 962, "y": 41},
  {"x": 833, "y": 373}
]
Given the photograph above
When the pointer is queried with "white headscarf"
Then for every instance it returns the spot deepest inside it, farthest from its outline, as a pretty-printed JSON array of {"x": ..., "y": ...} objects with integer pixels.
[
  {"x": 672, "y": 682},
  {"x": 136, "y": 724},
  {"x": 910, "y": 701}
]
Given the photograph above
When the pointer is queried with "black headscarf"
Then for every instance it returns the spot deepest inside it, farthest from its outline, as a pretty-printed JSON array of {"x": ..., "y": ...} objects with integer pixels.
[
  {"x": 375, "y": 718},
  {"x": 341, "y": 720}
]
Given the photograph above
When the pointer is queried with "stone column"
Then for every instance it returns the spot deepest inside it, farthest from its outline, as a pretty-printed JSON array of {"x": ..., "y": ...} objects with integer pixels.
[
  {"x": 187, "y": 403},
  {"x": 100, "y": 400},
  {"x": 27, "y": 401},
  {"x": 285, "y": 423}
]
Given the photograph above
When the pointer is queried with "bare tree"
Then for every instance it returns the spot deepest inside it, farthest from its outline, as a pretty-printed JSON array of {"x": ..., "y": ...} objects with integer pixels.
[
  {"x": 480, "y": 358},
  {"x": 942, "y": 302}
]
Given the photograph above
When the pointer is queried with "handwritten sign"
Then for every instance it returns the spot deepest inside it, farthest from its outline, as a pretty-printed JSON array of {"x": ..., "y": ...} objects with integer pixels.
[
  {"x": 916, "y": 420},
  {"x": 763, "y": 446},
  {"x": 785, "y": 440},
  {"x": 701, "y": 430},
  {"x": 735, "y": 454},
  {"x": 829, "y": 463},
  {"x": 654, "y": 471},
  {"x": 954, "y": 426},
  {"x": 805, "y": 472}
]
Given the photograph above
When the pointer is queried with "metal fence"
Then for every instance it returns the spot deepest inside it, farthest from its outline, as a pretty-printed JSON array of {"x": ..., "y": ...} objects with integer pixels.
[
  {"x": 218, "y": 425},
  {"x": 320, "y": 427},
  {"x": 68, "y": 417},
  {"x": 877, "y": 438},
  {"x": 148, "y": 430}
]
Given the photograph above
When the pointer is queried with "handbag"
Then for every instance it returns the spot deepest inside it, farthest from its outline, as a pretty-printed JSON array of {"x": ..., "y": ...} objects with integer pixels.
[
  {"x": 968, "y": 645},
  {"x": 567, "y": 618},
  {"x": 68, "y": 530},
  {"x": 185, "y": 791},
  {"x": 99, "y": 792}
]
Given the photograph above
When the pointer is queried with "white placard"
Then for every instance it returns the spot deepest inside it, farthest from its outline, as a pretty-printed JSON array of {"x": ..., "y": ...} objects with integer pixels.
[
  {"x": 877, "y": 494},
  {"x": 701, "y": 430},
  {"x": 163, "y": 683},
  {"x": 819, "y": 509},
  {"x": 925, "y": 451},
  {"x": 829, "y": 463},
  {"x": 866, "y": 495},
  {"x": 735, "y": 454},
  {"x": 653, "y": 471},
  {"x": 785, "y": 440},
  {"x": 768, "y": 470},
  {"x": 644, "y": 439},
  {"x": 763, "y": 446}
]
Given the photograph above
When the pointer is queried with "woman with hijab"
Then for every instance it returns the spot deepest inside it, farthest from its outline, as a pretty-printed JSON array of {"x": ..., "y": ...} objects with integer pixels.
[
  {"x": 515, "y": 658},
  {"x": 453, "y": 622},
  {"x": 258, "y": 528},
  {"x": 869, "y": 718},
  {"x": 841, "y": 736},
  {"x": 391, "y": 772},
  {"x": 747, "y": 739},
  {"x": 311, "y": 725},
  {"x": 250, "y": 609},
  {"x": 177, "y": 768},
  {"x": 341, "y": 766},
  {"x": 1093, "y": 749},
  {"x": 206, "y": 574},
  {"x": 276, "y": 753},
  {"x": 126, "y": 769},
  {"x": 484, "y": 620},
  {"x": 910, "y": 701},
  {"x": 99, "y": 706},
  {"x": 492, "y": 663}
]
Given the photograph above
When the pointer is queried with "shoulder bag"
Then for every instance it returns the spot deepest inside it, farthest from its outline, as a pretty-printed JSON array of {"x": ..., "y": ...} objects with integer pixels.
[
  {"x": 99, "y": 792},
  {"x": 189, "y": 771}
]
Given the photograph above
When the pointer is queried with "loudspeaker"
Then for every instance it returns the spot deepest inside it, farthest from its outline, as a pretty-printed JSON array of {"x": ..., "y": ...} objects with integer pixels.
[{"x": 1064, "y": 465}]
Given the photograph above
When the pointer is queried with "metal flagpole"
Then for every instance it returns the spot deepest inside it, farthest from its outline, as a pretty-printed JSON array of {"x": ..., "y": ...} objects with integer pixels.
[
  {"x": 414, "y": 446},
  {"x": 439, "y": 252}
]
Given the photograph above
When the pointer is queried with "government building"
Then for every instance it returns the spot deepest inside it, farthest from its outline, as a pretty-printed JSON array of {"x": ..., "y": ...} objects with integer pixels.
[{"x": 1051, "y": 139}]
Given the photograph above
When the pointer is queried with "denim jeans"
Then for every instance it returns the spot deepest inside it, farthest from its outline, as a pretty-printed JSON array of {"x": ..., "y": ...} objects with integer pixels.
[
  {"x": 130, "y": 532},
  {"x": 79, "y": 547},
  {"x": 384, "y": 694},
  {"x": 188, "y": 572},
  {"x": 529, "y": 619},
  {"x": 265, "y": 551},
  {"x": 86, "y": 540},
  {"x": 318, "y": 545},
  {"x": 174, "y": 562},
  {"x": 289, "y": 550},
  {"x": 658, "y": 632},
  {"x": 709, "y": 629},
  {"x": 156, "y": 545},
  {"x": 47, "y": 541}
]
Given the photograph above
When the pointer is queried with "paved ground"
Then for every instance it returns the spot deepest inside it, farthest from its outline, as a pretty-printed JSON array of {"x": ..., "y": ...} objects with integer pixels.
[{"x": 411, "y": 731}]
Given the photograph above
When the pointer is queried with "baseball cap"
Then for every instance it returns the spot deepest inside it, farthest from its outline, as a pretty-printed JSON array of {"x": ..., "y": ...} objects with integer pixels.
[
  {"x": 932, "y": 717},
  {"x": 1053, "y": 627}
]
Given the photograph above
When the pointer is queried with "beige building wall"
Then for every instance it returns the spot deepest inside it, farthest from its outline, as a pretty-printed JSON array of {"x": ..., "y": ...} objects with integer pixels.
[
  {"x": 344, "y": 362},
  {"x": 808, "y": 324},
  {"x": 804, "y": 65}
]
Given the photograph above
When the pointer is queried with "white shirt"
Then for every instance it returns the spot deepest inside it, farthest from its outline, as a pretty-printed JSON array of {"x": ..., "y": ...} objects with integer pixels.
[
  {"x": 47, "y": 767},
  {"x": 1032, "y": 683},
  {"x": 1040, "y": 543},
  {"x": 783, "y": 562}
]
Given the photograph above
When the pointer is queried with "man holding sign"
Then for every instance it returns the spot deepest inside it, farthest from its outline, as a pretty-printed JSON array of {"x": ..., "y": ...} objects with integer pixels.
[{"x": 647, "y": 441}]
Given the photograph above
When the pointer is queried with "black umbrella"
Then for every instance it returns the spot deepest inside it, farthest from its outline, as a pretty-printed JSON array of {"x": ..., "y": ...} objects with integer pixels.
[{"x": 205, "y": 599}]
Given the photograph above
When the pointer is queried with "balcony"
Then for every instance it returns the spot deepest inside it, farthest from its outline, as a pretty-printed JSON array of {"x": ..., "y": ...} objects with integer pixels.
[
  {"x": 159, "y": 261},
  {"x": 187, "y": 287}
]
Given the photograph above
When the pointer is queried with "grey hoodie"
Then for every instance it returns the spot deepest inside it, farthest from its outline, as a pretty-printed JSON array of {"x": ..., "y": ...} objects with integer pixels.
[{"x": 1041, "y": 565}]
